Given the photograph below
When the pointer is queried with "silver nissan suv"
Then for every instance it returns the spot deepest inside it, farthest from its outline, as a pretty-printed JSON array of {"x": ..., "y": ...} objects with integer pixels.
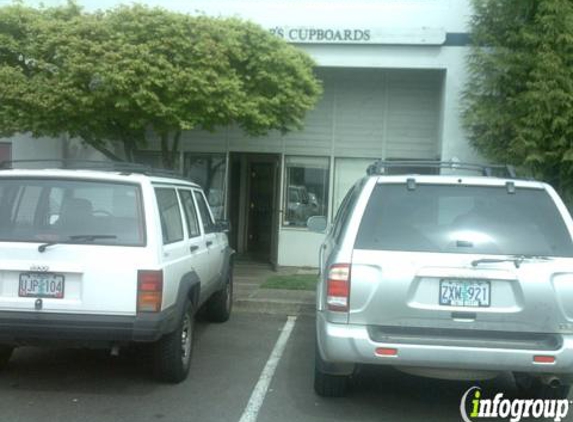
[{"x": 451, "y": 276}]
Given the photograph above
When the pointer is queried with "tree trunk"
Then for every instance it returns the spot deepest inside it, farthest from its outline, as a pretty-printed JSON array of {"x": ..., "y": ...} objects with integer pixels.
[
  {"x": 165, "y": 150},
  {"x": 175, "y": 149},
  {"x": 128, "y": 152},
  {"x": 170, "y": 150},
  {"x": 130, "y": 149}
]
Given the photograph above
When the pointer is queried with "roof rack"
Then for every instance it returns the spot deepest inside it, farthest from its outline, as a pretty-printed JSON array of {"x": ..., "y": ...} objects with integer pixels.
[
  {"x": 112, "y": 166},
  {"x": 489, "y": 170}
]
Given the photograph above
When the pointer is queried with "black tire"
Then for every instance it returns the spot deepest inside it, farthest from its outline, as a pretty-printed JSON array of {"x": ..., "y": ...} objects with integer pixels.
[
  {"x": 5, "y": 355},
  {"x": 171, "y": 354},
  {"x": 529, "y": 387},
  {"x": 327, "y": 385},
  {"x": 219, "y": 306}
]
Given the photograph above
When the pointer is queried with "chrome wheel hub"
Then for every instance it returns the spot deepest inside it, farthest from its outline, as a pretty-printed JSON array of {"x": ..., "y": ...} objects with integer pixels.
[{"x": 186, "y": 339}]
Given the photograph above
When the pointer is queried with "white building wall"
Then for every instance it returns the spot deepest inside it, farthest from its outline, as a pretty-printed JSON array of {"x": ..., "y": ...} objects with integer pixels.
[
  {"x": 454, "y": 138},
  {"x": 27, "y": 147}
]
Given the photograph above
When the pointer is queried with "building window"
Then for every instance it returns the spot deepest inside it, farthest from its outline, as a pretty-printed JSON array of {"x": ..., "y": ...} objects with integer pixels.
[
  {"x": 306, "y": 189},
  {"x": 346, "y": 172},
  {"x": 209, "y": 170}
]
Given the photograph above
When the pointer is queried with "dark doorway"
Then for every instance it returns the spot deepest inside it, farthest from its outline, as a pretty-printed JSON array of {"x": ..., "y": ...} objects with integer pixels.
[
  {"x": 253, "y": 210},
  {"x": 5, "y": 151},
  {"x": 261, "y": 195}
]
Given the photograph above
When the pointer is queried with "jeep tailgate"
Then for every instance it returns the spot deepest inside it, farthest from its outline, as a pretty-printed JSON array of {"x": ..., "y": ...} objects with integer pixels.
[{"x": 87, "y": 279}]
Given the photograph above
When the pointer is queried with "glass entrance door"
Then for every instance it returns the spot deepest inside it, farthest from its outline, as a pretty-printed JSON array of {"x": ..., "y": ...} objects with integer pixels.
[{"x": 254, "y": 205}]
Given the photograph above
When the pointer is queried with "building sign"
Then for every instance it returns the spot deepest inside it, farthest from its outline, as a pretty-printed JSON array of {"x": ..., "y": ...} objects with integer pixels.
[{"x": 324, "y": 35}]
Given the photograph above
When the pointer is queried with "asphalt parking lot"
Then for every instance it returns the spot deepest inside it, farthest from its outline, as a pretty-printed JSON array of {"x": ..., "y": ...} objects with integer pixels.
[{"x": 86, "y": 386}]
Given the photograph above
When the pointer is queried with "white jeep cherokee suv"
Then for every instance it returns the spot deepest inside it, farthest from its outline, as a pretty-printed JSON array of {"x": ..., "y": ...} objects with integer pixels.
[{"x": 106, "y": 257}]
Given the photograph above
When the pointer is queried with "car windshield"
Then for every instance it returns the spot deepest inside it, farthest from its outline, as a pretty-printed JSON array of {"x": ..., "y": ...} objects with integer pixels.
[
  {"x": 464, "y": 219},
  {"x": 55, "y": 210}
]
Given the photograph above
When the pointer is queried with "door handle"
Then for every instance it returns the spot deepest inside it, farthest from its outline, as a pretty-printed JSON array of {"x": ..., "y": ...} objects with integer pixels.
[
  {"x": 209, "y": 243},
  {"x": 193, "y": 248}
]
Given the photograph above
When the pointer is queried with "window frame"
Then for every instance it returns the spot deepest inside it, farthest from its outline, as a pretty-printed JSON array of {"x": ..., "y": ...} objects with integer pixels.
[
  {"x": 345, "y": 214},
  {"x": 224, "y": 157},
  {"x": 204, "y": 229},
  {"x": 140, "y": 207},
  {"x": 180, "y": 192},
  {"x": 367, "y": 227},
  {"x": 287, "y": 187},
  {"x": 174, "y": 189}
]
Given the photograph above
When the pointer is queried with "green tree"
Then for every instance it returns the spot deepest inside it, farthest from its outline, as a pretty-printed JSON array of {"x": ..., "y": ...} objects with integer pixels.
[
  {"x": 519, "y": 99},
  {"x": 134, "y": 73}
]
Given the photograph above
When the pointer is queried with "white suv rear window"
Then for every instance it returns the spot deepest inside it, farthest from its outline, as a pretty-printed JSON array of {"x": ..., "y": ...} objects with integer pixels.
[
  {"x": 463, "y": 219},
  {"x": 66, "y": 211}
]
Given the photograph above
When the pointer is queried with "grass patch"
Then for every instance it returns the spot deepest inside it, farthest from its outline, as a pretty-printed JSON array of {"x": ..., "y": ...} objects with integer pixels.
[{"x": 291, "y": 282}]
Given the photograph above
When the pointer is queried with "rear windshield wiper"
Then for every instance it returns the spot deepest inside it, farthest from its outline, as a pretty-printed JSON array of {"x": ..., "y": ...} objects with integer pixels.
[
  {"x": 81, "y": 238},
  {"x": 517, "y": 260}
]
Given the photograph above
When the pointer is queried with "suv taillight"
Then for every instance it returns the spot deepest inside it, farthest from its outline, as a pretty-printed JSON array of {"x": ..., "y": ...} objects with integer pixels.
[
  {"x": 149, "y": 290},
  {"x": 338, "y": 288}
]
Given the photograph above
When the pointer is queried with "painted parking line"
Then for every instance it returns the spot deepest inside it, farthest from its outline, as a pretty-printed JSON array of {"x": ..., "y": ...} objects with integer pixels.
[{"x": 260, "y": 391}]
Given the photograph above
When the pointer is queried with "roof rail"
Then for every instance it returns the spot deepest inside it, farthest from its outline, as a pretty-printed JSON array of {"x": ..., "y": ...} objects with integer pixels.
[
  {"x": 112, "y": 166},
  {"x": 489, "y": 170}
]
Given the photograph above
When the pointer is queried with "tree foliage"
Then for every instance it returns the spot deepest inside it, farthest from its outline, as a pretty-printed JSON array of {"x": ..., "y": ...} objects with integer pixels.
[
  {"x": 135, "y": 72},
  {"x": 519, "y": 99}
]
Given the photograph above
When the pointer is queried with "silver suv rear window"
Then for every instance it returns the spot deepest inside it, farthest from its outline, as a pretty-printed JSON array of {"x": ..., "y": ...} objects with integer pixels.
[
  {"x": 70, "y": 211},
  {"x": 463, "y": 219}
]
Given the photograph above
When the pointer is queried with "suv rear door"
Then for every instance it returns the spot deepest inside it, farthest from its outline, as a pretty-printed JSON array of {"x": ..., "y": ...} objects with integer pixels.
[
  {"x": 442, "y": 255},
  {"x": 212, "y": 241},
  {"x": 176, "y": 260},
  {"x": 195, "y": 237}
]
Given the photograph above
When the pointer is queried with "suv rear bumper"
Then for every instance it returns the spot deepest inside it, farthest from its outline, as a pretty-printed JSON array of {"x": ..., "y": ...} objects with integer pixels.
[
  {"x": 344, "y": 344},
  {"x": 31, "y": 328}
]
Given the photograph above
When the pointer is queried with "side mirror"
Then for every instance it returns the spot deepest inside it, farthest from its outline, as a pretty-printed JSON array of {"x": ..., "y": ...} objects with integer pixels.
[
  {"x": 316, "y": 224},
  {"x": 222, "y": 226}
]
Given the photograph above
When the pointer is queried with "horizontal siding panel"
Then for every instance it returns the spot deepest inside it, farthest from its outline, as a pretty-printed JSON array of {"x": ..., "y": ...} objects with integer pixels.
[
  {"x": 241, "y": 141},
  {"x": 203, "y": 141},
  {"x": 410, "y": 154},
  {"x": 362, "y": 113},
  {"x": 316, "y": 136},
  {"x": 359, "y": 118},
  {"x": 413, "y": 117}
]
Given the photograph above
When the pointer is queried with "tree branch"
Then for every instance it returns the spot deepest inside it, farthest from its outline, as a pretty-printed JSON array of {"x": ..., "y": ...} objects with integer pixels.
[
  {"x": 165, "y": 149},
  {"x": 98, "y": 146}
]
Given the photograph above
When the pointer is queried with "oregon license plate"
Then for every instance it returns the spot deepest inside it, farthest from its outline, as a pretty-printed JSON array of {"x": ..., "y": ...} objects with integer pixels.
[
  {"x": 468, "y": 293},
  {"x": 41, "y": 285}
]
